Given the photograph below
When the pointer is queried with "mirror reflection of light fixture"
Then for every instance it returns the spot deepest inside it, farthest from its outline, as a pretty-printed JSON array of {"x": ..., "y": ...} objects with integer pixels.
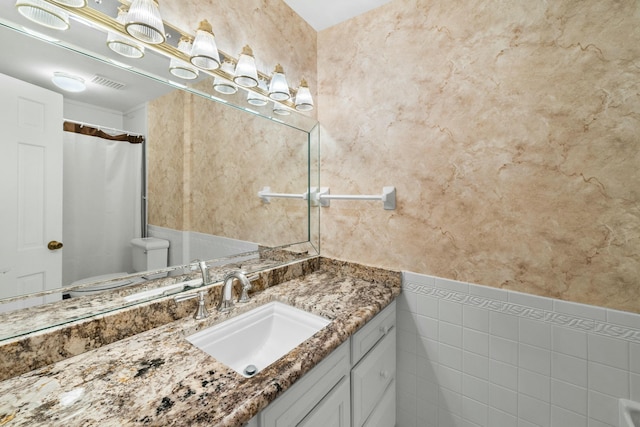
[
  {"x": 278, "y": 88},
  {"x": 144, "y": 22},
  {"x": 280, "y": 109},
  {"x": 304, "y": 101},
  {"x": 257, "y": 99},
  {"x": 223, "y": 85},
  {"x": 180, "y": 68},
  {"x": 122, "y": 45},
  {"x": 72, "y": 3},
  {"x": 68, "y": 82},
  {"x": 132, "y": 32},
  {"x": 246, "y": 73},
  {"x": 43, "y": 13},
  {"x": 204, "y": 53}
]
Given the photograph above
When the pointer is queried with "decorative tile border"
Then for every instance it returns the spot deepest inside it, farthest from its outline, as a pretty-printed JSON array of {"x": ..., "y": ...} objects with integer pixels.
[{"x": 587, "y": 325}]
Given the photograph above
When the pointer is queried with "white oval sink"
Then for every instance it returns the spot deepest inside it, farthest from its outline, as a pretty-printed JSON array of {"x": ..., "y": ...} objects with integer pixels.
[{"x": 258, "y": 337}]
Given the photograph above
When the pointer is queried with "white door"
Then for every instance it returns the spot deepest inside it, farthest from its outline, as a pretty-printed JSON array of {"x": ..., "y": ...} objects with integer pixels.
[{"x": 30, "y": 190}]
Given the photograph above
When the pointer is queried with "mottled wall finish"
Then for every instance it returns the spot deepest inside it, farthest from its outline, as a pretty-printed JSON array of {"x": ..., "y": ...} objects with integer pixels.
[
  {"x": 234, "y": 157},
  {"x": 510, "y": 130},
  {"x": 207, "y": 163},
  {"x": 166, "y": 160}
]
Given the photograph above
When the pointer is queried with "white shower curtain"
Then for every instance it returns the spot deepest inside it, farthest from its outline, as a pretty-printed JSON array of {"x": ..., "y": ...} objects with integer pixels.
[{"x": 102, "y": 205}]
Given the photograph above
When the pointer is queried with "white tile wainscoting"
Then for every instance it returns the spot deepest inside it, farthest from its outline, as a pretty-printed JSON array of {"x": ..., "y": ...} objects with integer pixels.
[{"x": 471, "y": 355}]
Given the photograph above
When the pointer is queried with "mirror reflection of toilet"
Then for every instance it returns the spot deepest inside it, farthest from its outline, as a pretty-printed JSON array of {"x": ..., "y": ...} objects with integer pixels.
[{"x": 149, "y": 254}]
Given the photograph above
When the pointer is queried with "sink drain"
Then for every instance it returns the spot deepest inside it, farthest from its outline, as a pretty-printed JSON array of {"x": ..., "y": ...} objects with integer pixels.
[{"x": 250, "y": 370}]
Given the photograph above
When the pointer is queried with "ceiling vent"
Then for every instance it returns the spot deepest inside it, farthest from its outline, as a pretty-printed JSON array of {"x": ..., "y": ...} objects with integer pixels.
[{"x": 107, "y": 82}]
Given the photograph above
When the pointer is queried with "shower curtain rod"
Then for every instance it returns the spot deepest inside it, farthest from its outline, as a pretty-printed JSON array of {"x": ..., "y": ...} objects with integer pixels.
[{"x": 99, "y": 127}]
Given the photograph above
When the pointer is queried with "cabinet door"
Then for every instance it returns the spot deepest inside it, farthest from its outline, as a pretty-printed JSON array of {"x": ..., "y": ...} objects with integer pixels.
[
  {"x": 333, "y": 410},
  {"x": 303, "y": 396},
  {"x": 371, "y": 377},
  {"x": 384, "y": 414}
]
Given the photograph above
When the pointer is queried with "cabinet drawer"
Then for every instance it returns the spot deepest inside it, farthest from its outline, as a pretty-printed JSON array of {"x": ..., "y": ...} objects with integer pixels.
[
  {"x": 370, "y": 378},
  {"x": 363, "y": 340},
  {"x": 384, "y": 414}
]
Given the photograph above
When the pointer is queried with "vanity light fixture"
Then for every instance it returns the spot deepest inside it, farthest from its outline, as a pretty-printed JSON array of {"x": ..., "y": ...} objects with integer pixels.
[
  {"x": 180, "y": 68},
  {"x": 131, "y": 33},
  {"x": 304, "y": 101},
  {"x": 278, "y": 88},
  {"x": 222, "y": 85},
  {"x": 144, "y": 22},
  {"x": 204, "y": 53},
  {"x": 72, "y": 3},
  {"x": 246, "y": 72},
  {"x": 280, "y": 109},
  {"x": 257, "y": 99},
  {"x": 43, "y": 13},
  {"x": 68, "y": 82},
  {"x": 122, "y": 45}
]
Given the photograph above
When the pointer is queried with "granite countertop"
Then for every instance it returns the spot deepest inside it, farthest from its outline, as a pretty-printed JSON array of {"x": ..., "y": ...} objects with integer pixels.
[{"x": 158, "y": 378}]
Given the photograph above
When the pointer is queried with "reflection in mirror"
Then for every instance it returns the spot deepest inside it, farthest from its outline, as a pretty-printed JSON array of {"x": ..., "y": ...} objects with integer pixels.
[{"x": 205, "y": 163}]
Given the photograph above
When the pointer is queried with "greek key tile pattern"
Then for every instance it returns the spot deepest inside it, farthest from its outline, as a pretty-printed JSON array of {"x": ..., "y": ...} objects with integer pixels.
[{"x": 587, "y": 325}]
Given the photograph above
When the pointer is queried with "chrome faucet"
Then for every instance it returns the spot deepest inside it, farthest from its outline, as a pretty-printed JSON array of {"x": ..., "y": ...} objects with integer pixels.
[{"x": 226, "y": 301}]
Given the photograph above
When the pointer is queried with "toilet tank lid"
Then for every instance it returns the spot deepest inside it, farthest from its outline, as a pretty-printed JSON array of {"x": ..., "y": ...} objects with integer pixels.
[{"x": 149, "y": 243}]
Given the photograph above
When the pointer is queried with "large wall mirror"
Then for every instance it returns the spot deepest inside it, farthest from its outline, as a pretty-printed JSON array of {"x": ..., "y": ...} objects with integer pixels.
[{"x": 193, "y": 182}]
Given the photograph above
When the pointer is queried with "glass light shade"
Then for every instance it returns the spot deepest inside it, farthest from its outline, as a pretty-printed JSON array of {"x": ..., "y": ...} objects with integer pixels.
[
  {"x": 304, "y": 101},
  {"x": 279, "y": 88},
  {"x": 180, "y": 68},
  {"x": 44, "y": 14},
  {"x": 122, "y": 45},
  {"x": 144, "y": 22},
  {"x": 246, "y": 73},
  {"x": 72, "y": 3},
  {"x": 204, "y": 53},
  {"x": 222, "y": 85},
  {"x": 257, "y": 99},
  {"x": 280, "y": 109},
  {"x": 68, "y": 82}
]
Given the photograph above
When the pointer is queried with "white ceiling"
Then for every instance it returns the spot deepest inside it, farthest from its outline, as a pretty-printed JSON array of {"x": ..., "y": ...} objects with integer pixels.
[{"x": 321, "y": 14}]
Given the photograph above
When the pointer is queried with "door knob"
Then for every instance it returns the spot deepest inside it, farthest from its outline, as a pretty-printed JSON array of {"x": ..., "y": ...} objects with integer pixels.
[{"x": 53, "y": 245}]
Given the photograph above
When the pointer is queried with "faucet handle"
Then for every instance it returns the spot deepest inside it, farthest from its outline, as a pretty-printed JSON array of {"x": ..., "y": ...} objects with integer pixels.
[
  {"x": 244, "y": 295},
  {"x": 201, "y": 312},
  {"x": 246, "y": 287}
]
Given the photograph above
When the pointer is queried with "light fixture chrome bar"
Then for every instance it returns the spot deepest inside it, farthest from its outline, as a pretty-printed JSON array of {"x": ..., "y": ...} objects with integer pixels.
[{"x": 388, "y": 197}]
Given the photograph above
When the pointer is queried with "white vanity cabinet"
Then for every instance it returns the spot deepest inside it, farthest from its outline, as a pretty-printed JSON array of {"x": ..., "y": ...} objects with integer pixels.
[
  {"x": 353, "y": 386},
  {"x": 314, "y": 397},
  {"x": 373, "y": 373}
]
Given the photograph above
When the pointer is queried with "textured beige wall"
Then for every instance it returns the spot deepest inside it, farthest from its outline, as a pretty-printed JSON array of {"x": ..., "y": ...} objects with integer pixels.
[
  {"x": 233, "y": 157},
  {"x": 166, "y": 188},
  {"x": 207, "y": 162},
  {"x": 510, "y": 130}
]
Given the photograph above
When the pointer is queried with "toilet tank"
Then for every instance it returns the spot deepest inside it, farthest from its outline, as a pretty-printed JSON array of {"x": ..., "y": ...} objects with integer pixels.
[{"x": 149, "y": 253}]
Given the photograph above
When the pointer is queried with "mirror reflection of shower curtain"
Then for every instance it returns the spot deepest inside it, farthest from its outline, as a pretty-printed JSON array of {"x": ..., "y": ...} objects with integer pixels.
[{"x": 102, "y": 205}]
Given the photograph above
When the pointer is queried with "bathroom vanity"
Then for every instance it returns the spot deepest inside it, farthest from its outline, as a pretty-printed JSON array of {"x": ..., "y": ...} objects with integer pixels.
[
  {"x": 158, "y": 378},
  {"x": 353, "y": 386}
]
